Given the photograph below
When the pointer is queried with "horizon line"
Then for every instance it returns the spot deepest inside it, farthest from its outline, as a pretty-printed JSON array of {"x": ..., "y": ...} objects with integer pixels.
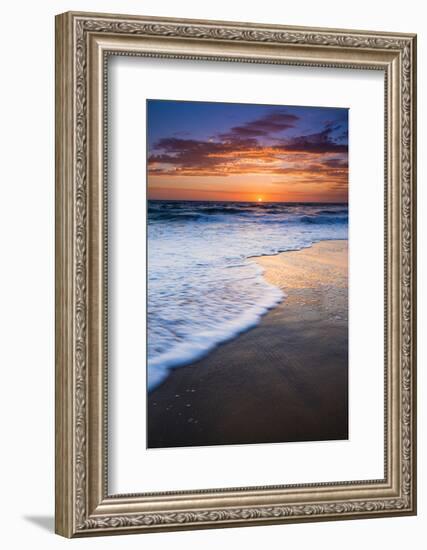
[{"x": 255, "y": 202}]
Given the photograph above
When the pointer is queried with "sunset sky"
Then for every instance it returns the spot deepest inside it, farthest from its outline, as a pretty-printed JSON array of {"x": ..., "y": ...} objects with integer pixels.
[{"x": 245, "y": 152}]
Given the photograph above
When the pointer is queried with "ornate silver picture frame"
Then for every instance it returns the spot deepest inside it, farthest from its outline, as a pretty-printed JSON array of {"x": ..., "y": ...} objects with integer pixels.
[{"x": 84, "y": 42}]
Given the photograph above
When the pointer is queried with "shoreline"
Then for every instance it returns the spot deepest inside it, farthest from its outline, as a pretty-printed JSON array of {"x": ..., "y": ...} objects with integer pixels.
[{"x": 265, "y": 384}]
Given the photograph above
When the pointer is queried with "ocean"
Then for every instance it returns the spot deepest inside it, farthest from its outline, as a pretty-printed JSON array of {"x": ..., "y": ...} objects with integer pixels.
[{"x": 203, "y": 287}]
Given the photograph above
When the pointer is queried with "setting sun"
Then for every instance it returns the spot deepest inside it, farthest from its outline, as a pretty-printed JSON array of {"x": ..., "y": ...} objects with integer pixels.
[{"x": 259, "y": 199}]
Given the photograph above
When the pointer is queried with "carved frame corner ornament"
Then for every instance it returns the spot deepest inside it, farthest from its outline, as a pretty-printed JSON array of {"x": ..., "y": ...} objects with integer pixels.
[{"x": 83, "y": 43}]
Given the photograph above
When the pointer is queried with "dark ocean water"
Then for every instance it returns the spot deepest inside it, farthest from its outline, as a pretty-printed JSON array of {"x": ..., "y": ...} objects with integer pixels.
[{"x": 203, "y": 287}]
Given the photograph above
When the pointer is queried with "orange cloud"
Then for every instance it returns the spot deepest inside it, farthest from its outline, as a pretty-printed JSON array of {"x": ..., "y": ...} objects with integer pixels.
[{"x": 300, "y": 167}]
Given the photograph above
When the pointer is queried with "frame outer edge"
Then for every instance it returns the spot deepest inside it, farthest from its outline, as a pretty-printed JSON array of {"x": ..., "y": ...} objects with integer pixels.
[
  {"x": 232, "y": 24},
  {"x": 73, "y": 518},
  {"x": 414, "y": 270},
  {"x": 64, "y": 237},
  {"x": 415, "y": 244}
]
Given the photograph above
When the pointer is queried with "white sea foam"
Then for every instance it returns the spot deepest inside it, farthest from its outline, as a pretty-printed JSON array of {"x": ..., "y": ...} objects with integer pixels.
[{"x": 203, "y": 287}]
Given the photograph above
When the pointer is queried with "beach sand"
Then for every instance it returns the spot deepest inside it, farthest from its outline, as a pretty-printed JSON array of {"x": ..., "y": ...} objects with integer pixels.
[{"x": 284, "y": 380}]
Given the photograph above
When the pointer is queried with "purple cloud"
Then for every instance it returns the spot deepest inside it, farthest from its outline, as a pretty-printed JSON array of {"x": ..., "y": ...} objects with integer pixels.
[
  {"x": 268, "y": 124},
  {"x": 320, "y": 142}
]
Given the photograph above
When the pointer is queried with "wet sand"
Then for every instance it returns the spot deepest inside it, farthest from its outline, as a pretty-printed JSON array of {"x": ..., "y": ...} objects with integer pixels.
[{"x": 284, "y": 380}]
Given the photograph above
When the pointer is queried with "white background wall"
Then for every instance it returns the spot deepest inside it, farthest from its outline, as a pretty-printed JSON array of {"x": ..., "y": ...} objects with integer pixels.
[{"x": 27, "y": 273}]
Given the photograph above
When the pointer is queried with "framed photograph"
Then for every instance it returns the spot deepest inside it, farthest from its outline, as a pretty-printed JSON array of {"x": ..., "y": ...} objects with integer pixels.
[{"x": 235, "y": 274}]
